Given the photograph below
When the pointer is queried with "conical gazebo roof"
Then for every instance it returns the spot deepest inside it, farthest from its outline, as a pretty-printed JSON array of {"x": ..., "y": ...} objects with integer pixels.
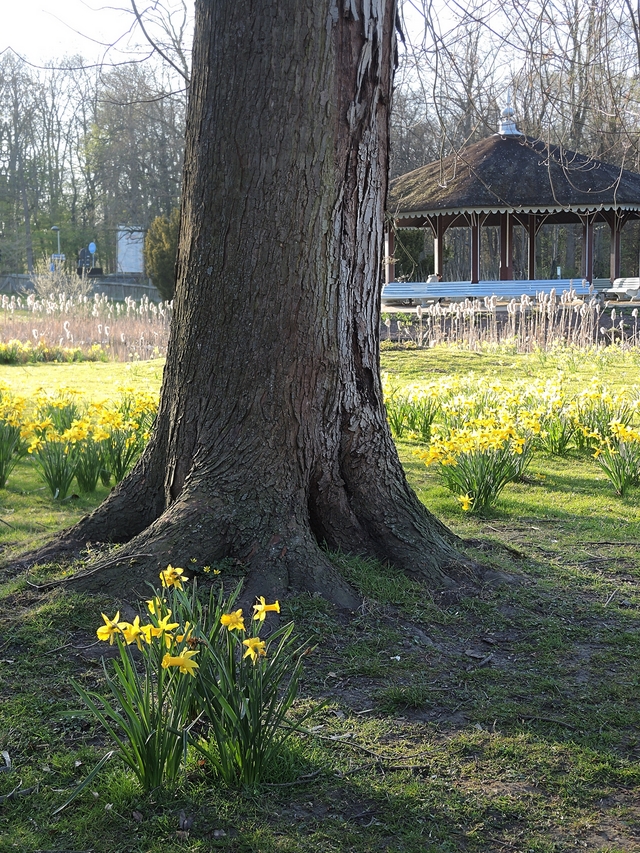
[{"x": 512, "y": 172}]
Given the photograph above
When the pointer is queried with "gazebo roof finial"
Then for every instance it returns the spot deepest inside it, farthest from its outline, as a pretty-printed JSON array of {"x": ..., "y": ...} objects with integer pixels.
[{"x": 507, "y": 126}]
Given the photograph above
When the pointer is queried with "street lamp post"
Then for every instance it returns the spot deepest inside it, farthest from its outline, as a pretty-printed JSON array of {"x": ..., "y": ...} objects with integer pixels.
[{"x": 59, "y": 257}]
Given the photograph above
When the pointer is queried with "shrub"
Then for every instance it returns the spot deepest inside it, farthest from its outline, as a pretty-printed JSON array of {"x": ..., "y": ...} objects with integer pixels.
[
  {"x": 48, "y": 282},
  {"x": 160, "y": 250}
]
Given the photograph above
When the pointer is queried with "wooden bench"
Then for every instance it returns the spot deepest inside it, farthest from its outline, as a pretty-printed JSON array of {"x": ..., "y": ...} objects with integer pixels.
[
  {"x": 623, "y": 289},
  {"x": 423, "y": 292}
]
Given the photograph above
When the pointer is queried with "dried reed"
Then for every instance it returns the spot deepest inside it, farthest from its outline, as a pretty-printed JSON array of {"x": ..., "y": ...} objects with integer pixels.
[
  {"x": 525, "y": 325},
  {"x": 124, "y": 330}
]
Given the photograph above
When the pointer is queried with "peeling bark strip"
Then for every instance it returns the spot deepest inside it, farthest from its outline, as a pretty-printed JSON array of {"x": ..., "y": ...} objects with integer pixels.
[{"x": 271, "y": 437}]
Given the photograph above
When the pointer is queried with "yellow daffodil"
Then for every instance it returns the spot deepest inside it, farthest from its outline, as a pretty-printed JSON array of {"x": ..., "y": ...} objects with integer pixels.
[
  {"x": 154, "y": 606},
  {"x": 184, "y": 661},
  {"x": 172, "y": 577},
  {"x": 165, "y": 627},
  {"x": 100, "y": 434},
  {"x": 255, "y": 648},
  {"x": 110, "y": 628},
  {"x": 149, "y": 631},
  {"x": 133, "y": 632},
  {"x": 233, "y": 621},
  {"x": 465, "y": 502},
  {"x": 261, "y": 609},
  {"x": 186, "y": 636}
]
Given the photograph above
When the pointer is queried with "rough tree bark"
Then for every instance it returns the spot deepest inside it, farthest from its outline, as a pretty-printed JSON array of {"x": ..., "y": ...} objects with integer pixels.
[{"x": 271, "y": 438}]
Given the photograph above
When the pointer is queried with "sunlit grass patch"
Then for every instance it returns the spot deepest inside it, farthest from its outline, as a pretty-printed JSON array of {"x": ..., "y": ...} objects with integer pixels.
[
  {"x": 399, "y": 698},
  {"x": 96, "y": 381}
]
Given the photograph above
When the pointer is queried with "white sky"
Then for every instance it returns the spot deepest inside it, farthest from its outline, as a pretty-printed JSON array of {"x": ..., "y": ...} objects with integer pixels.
[{"x": 41, "y": 30}]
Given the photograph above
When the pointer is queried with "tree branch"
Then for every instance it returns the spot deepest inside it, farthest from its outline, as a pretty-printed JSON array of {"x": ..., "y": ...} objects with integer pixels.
[{"x": 154, "y": 45}]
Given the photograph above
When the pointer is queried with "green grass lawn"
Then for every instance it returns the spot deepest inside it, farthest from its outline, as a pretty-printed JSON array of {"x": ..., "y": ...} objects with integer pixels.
[
  {"x": 616, "y": 368},
  {"x": 99, "y": 380},
  {"x": 499, "y": 718}
]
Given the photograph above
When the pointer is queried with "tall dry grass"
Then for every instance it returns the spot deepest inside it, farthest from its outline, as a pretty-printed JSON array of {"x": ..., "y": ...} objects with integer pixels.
[
  {"x": 525, "y": 325},
  {"x": 129, "y": 330},
  {"x": 139, "y": 330}
]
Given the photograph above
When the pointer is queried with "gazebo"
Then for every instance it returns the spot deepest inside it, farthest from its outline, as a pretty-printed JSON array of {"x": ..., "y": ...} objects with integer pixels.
[{"x": 510, "y": 178}]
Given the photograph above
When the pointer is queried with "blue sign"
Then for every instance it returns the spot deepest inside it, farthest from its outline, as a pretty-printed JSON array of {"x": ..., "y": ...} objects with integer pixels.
[{"x": 92, "y": 248}]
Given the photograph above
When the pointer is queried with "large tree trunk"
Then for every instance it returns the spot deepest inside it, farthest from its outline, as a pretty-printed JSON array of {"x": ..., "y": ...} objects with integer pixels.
[{"x": 271, "y": 439}]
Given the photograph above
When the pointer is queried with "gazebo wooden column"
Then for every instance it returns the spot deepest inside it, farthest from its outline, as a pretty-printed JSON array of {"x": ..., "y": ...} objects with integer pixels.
[
  {"x": 476, "y": 220},
  {"x": 616, "y": 220},
  {"x": 532, "y": 228},
  {"x": 438, "y": 245},
  {"x": 506, "y": 247},
  {"x": 389, "y": 248},
  {"x": 587, "y": 247},
  {"x": 614, "y": 263},
  {"x": 614, "y": 257}
]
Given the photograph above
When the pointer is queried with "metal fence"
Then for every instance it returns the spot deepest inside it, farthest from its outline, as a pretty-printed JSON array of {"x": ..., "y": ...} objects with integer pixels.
[{"x": 116, "y": 287}]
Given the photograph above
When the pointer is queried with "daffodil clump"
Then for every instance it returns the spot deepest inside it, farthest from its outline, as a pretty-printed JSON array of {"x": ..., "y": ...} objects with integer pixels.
[
  {"x": 128, "y": 426},
  {"x": 26, "y": 352},
  {"x": 595, "y": 408},
  {"x": 199, "y": 661},
  {"x": 248, "y": 685},
  {"x": 618, "y": 455},
  {"x": 477, "y": 460},
  {"x": 481, "y": 433},
  {"x": 67, "y": 437},
  {"x": 148, "y": 708},
  {"x": 546, "y": 409},
  {"x": 412, "y": 411},
  {"x": 12, "y": 445}
]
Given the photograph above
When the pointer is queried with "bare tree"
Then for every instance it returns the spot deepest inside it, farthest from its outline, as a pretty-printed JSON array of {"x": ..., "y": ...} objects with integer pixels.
[
  {"x": 87, "y": 147},
  {"x": 135, "y": 147},
  {"x": 570, "y": 68},
  {"x": 21, "y": 185},
  {"x": 86, "y": 150}
]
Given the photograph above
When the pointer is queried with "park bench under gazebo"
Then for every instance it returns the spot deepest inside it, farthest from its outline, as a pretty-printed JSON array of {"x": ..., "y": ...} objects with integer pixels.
[{"x": 506, "y": 180}]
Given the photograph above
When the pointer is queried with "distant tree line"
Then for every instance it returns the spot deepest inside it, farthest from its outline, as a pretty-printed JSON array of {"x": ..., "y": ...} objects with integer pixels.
[
  {"x": 86, "y": 149},
  {"x": 571, "y": 69},
  {"x": 89, "y": 148}
]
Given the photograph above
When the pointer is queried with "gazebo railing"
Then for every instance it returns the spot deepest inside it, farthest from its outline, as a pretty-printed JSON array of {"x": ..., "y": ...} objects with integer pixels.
[{"x": 423, "y": 292}]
